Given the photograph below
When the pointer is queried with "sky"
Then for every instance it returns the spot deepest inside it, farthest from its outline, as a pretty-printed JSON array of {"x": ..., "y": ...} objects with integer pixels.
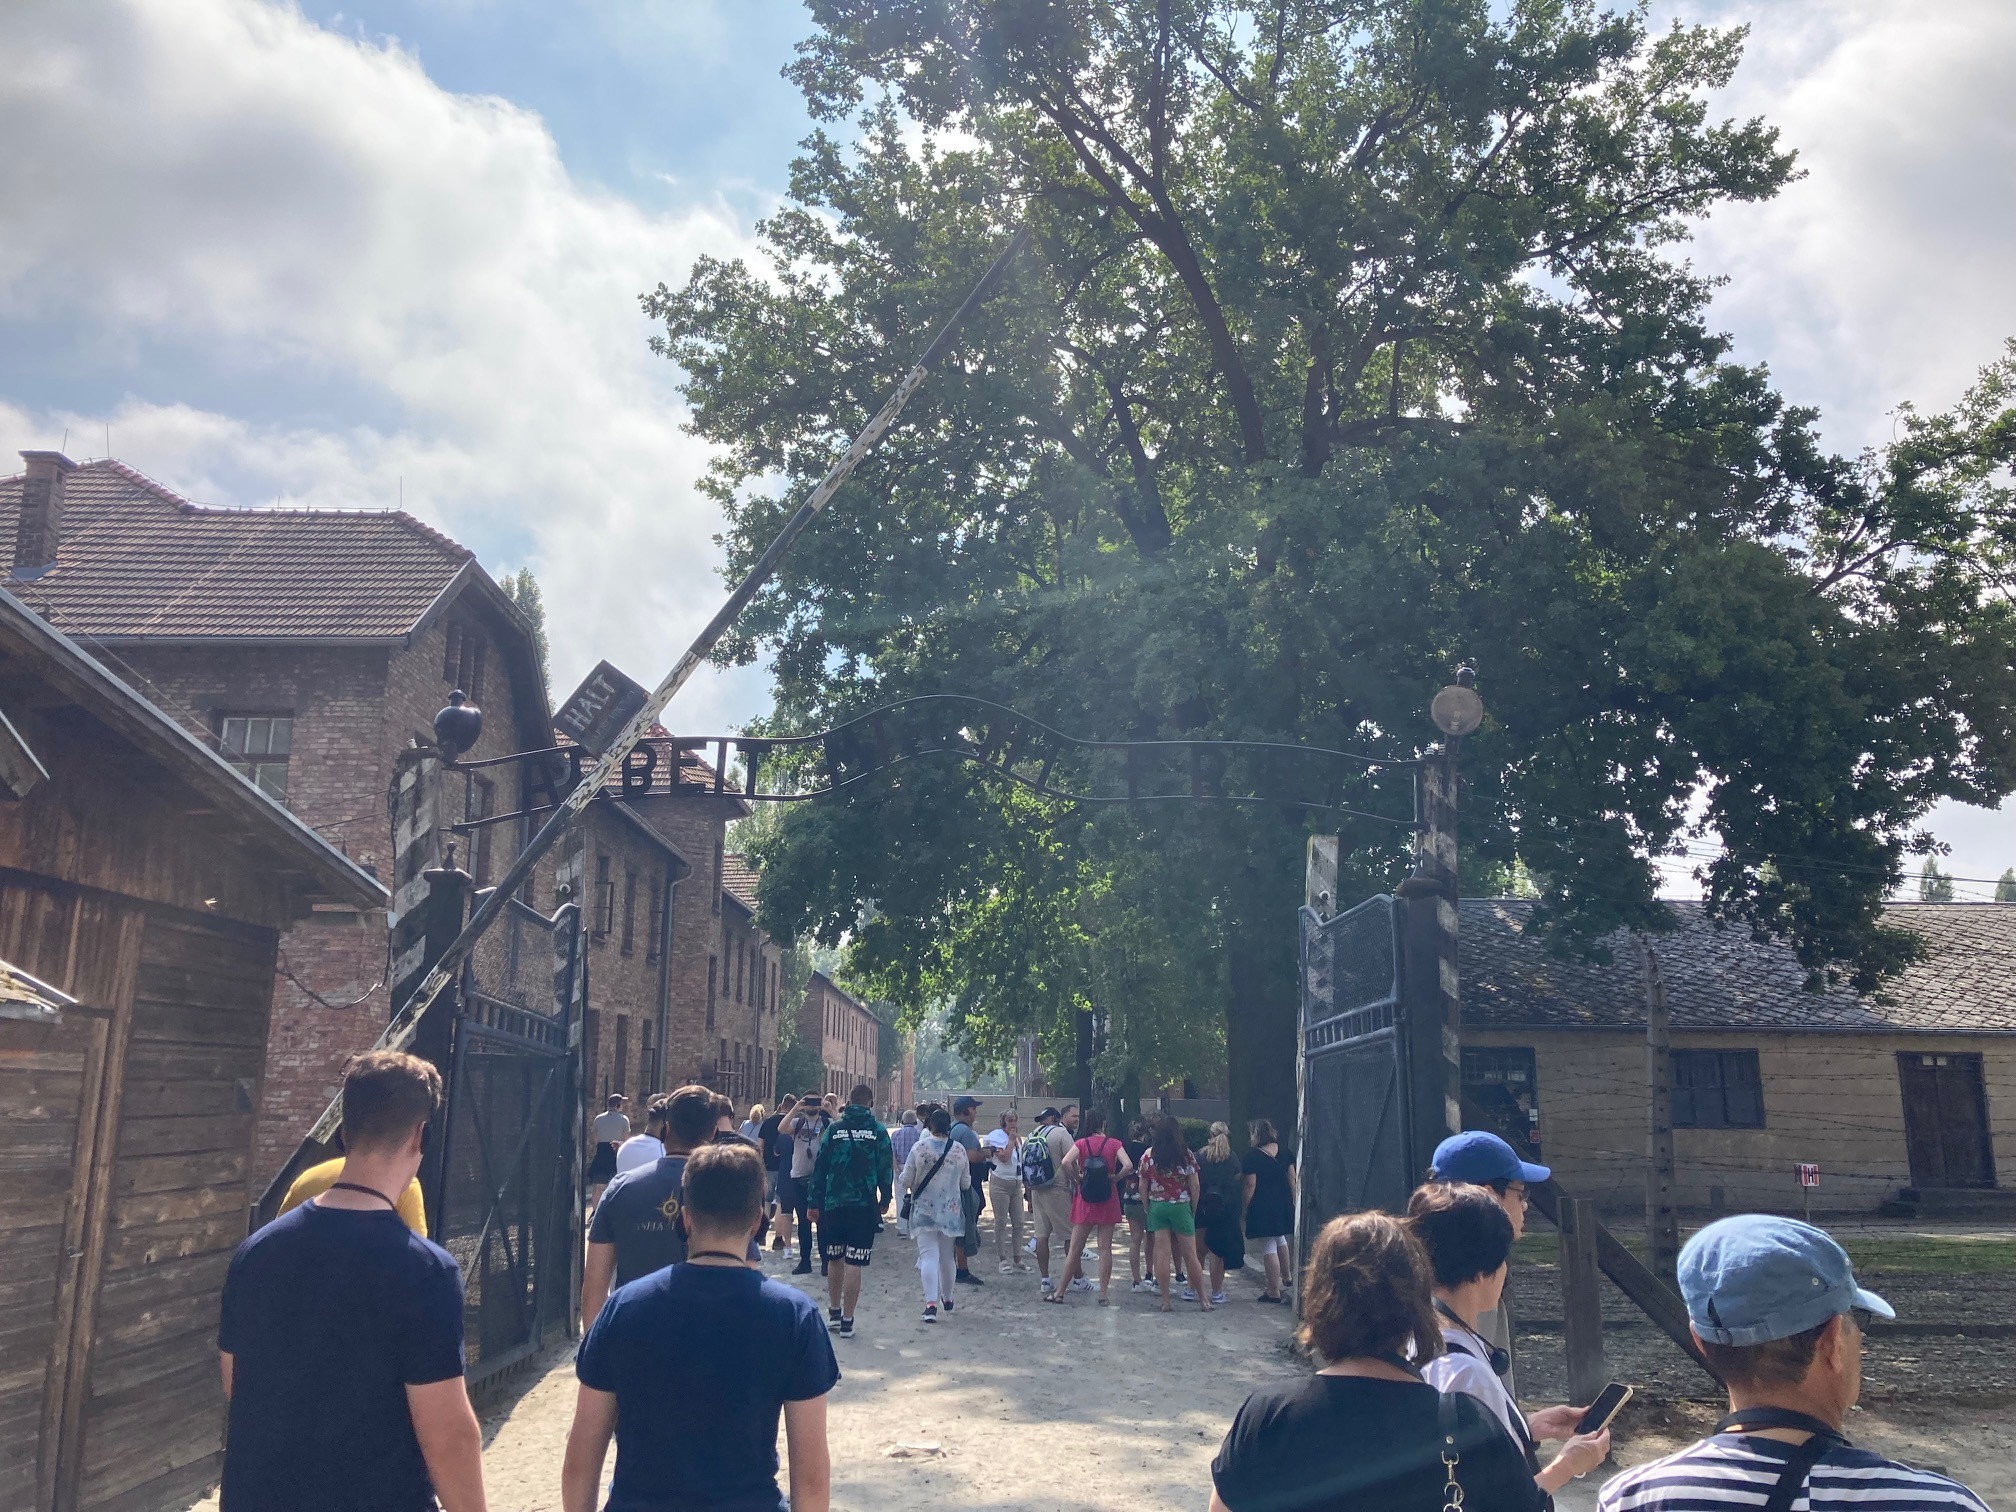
[{"x": 379, "y": 254}]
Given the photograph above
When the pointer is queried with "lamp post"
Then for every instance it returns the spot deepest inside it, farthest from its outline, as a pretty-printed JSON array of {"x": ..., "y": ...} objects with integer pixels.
[{"x": 1434, "y": 1003}]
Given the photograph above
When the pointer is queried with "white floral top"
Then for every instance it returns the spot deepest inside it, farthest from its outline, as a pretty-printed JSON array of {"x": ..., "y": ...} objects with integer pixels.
[{"x": 935, "y": 1204}]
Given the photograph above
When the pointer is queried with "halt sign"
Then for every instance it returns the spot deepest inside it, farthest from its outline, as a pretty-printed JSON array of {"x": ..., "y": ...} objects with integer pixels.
[{"x": 605, "y": 702}]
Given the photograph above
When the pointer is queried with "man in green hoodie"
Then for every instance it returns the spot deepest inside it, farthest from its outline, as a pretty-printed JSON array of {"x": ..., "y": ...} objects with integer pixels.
[{"x": 853, "y": 1177}]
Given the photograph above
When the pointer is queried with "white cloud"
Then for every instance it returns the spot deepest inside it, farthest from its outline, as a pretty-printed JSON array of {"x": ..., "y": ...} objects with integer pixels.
[
  {"x": 1884, "y": 274},
  {"x": 225, "y": 180}
]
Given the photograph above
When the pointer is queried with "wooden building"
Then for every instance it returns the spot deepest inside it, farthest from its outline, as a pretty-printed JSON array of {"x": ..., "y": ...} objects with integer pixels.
[
  {"x": 146, "y": 879},
  {"x": 1905, "y": 1100}
]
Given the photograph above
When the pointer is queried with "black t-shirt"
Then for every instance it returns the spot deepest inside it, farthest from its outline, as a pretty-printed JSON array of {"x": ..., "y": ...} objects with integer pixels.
[
  {"x": 701, "y": 1360},
  {"x": 1272, "y": 1210},
  {"x": 1135, "y": 1148},
  {"x": 639, "y": 1214},
  {"x": 329, "y": 1315},
  {"x": 1349, "y": 1444},
  {"x": 766, "y": 1137}
]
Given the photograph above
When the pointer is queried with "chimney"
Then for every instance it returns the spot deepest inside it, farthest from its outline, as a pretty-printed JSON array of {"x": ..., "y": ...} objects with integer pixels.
[{"x": 40, "y": 530}]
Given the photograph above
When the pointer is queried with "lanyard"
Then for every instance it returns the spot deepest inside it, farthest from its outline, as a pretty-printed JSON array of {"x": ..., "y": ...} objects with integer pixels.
[{"x": 351, "y": 1186}]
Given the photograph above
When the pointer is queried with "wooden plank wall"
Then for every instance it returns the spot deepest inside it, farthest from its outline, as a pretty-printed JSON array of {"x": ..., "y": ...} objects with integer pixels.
[
  {"x": 179, "y": 1193},
  {"x": 55, "y": 1082}
]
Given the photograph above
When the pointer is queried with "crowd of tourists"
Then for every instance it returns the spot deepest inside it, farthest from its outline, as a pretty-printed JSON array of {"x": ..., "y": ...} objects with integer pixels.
[{"x": 341, "y": 1332}]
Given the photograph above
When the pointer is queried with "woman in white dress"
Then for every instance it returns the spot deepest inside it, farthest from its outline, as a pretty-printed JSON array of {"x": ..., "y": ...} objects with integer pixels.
[{"x": 932, "y": 1180}]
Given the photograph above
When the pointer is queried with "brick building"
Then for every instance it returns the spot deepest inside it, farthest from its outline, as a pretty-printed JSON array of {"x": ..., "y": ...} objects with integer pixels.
[
  {"x": 849, "y": 1036},
  {"x": 682, "y": 985},
  {"x": 309, "y": 647},
  {"x": 1909, "y": 1095},
  {"x": 751, "y": 978}
]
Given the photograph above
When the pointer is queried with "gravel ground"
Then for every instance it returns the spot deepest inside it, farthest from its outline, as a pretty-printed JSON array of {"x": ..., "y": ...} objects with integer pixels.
[{"x": 1011, "y": 1406}]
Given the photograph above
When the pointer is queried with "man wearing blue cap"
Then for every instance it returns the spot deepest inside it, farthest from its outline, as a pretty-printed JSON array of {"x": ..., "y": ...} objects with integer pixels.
[
  {"x": 1478, "y": 1157},
  {"x": 1774, "y": 1306}
]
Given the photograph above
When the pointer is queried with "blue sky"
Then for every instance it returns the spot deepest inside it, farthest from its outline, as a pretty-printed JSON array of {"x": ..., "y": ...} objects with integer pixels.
[{"x": 364, "y": 253}]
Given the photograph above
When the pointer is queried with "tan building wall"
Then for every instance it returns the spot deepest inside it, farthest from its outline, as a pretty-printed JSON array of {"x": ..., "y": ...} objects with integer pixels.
[{"x": 1830, "y": 1099}]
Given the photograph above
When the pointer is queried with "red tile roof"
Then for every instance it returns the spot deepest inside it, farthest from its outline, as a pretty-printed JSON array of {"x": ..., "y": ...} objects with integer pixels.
[
  {"x": 139, "y": 559},
  {"x": 738, "y": 880}
]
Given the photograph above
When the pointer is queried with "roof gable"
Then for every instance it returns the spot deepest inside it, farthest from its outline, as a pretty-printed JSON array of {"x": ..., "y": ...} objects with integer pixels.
[
  {"x": 1718, "y": 977},
  {"x": 138, "y": 559}
]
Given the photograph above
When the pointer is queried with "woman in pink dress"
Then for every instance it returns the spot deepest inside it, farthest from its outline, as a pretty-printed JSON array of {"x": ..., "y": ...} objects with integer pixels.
[{"x": 1094, "y": 1168}]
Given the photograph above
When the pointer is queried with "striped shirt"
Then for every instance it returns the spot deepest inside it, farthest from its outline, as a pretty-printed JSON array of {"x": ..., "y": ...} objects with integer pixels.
[{"x": 1739, "y": 1470}]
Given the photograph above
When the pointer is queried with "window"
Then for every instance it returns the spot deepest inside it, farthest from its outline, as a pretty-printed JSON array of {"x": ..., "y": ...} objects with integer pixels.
[
  {"x": 713, "y": 967},
  {"x": 629, "y": 910},
  {"x": 1717, "y": 1089},
  {"x": 1499, "y": 1081},
  {"x": 657, "y": 924},
  {"x": 719, "y": 855},
  {"x": 605, "y": 899},
  {"x": 258, "y": 745},
  {"x": 462, "y": 659},
  {"x": 622, "y": 1051},
  {"x": 741, "y": 968},
  {"x": 479, "y": 801},
  {"x": 647, "y": 1065}
]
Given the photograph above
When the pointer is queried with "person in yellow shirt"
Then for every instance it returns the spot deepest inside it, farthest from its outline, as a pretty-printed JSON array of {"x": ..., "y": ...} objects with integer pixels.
[{"x": 317, "y": 1179}]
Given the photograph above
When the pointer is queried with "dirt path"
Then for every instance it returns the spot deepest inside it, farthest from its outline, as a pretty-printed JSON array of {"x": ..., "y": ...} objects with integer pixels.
[{"x": 1010, "y": 1406}]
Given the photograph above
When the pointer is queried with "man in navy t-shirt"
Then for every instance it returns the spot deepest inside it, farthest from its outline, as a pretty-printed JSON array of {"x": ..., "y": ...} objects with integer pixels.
[
  {"x": 690, "y": 1367},
  {"x": 636, "y": 1228},
  {"x": 341, "y": 1336}
]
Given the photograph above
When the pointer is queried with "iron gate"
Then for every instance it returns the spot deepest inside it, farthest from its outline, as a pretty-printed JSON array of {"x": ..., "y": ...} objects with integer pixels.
[
  {"x": 507, "y": 1210},
  {"x": 1351, "y": 1066}
]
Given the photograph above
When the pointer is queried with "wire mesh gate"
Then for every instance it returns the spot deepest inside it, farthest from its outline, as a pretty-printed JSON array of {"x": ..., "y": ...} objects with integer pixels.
[
  {"x": 508, "y": 1173},
  {"x": 1352, "y": 1066}
]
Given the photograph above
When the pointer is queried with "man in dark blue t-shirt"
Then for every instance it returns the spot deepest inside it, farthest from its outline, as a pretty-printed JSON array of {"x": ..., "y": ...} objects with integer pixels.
[
  {"x": 636, "y": 1228},
  {"x": 690, "y": 1367},
  {"x": 341, "y": 1335}
]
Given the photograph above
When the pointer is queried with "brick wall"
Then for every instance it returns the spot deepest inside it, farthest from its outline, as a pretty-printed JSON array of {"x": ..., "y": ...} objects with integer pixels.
[
  {"x": 624, "y": 873},
  {"x": 847, "y": 1034},
  {"x": 353, "y": 711},
  {"x": 746, "y": 1015},
  {"x": 701, "y": 1010}
]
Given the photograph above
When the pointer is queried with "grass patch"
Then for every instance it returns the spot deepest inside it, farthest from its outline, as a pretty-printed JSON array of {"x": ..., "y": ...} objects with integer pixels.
[{"x": 1920, "y": 1254}]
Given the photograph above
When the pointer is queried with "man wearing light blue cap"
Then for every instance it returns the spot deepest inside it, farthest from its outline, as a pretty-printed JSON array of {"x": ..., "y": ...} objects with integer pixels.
[{"x": 1774, "y": 1306}]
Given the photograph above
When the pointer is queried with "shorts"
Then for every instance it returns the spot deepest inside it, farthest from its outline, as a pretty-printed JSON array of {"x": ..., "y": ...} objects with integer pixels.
[
  {"x": 848, "y": 1234},
  {"x": 603, "y": 1166},
  {"x": 1172, "y": 1217},
  {"x": 1269, "y": 1244},
  {"x": 790, "y": 1191},
  {"x": 1052, "y": 1206}
]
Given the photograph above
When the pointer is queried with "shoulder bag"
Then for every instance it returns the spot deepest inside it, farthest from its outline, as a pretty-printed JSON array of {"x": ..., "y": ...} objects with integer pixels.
[{"x": 904, "y": 1211}]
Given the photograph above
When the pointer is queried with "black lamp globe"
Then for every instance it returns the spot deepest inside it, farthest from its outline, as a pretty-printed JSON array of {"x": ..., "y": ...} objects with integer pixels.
[{"x": 459, "y": 726}]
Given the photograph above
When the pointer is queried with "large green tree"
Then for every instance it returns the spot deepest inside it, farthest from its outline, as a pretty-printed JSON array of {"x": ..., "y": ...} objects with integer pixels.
[{"x": 1355, "y": 344}]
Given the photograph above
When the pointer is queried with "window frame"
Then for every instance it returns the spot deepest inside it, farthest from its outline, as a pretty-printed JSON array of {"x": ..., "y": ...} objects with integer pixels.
[
  {"x": 254, "y": 765},
  {"x": 629, "y": 941},
  {"x": 1706, "y": 1096},
  {"x": 605, "y": 898}
]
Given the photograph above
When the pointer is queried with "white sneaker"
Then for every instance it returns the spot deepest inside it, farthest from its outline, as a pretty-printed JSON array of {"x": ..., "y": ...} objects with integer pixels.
[
  {"x": 1081, "y": 1283},
  {"x": 1008, "y": 1267},
  {"x": 1217, "y": 1299},
  {"x": 1029, "y": 1248},
  {"x": 1188, "y": 1294},
  {"x": 1048, "y": 1286},
  {"x": 1145, "y": 1285}
]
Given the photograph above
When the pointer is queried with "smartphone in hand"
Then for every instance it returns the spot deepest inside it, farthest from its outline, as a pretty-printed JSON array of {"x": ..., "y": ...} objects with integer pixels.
[{"x": 1609, "y": 1402}]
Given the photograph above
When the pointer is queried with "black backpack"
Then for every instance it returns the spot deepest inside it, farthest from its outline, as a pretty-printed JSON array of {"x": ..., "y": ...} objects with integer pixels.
[{"x": 1095, "y": 1181}]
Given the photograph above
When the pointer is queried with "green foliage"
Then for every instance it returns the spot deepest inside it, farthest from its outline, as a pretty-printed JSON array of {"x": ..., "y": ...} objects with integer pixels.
[
  {"x": 1934, "y": 885},
  {"x": 800, "y": 1070},
  {"x": 1350, "y": 349},
  {"x": 2005, "y": 886},
  {"x": 523, "y": 590}
]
